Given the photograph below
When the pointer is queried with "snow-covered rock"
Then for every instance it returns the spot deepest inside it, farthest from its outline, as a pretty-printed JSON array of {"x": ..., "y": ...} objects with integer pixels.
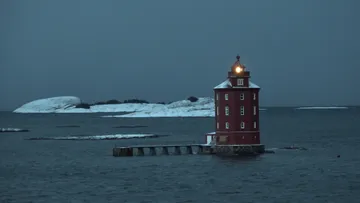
[
  {"x": 49, "y": 105},
  {"x": 203, "y": 107},
  {"x": 66, "y": 104}
]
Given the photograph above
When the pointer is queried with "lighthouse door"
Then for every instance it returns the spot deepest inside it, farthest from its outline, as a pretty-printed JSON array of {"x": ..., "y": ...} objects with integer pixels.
[{"x": 208, "y": 139}]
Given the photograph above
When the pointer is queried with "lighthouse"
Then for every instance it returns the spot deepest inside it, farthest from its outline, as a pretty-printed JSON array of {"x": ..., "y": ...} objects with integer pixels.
[
  {"x": 236, "y": 113},
  {"x": 236, "y": 121}
]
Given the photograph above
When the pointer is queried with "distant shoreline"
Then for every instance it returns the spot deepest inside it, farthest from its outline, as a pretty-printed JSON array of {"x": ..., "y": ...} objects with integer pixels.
[{"x": 137, "y": 108}]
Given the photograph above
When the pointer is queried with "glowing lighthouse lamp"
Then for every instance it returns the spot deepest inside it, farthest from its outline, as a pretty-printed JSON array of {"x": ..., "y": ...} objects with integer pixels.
[{"x": 238, "y": 69}]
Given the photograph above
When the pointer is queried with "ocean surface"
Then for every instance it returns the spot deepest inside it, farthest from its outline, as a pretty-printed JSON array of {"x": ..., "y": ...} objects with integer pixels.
[{"x": 59, "y": 171}]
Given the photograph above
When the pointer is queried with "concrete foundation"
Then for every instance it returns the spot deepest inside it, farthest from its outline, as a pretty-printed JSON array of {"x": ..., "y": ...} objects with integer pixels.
[
  {"x": 239, "y": 149},
  {"x": 201, "y": 149}
]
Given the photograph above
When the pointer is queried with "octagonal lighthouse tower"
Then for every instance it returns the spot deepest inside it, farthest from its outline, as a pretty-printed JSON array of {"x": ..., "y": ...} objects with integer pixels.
[{"x": 237, "y": 114}]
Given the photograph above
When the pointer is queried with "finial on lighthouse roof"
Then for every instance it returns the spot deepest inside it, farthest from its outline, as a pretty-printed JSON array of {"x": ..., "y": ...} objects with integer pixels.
[{"x": 237, "y": 67}]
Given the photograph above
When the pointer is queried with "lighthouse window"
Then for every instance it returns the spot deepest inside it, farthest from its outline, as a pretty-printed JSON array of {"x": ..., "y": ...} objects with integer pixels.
[
  {"x": 242, "y": 111},
  {"x": 242, "y": 96},
  {"x": 242, "y": 125},
  {"x": 254, "y": 110},
  {"x": 227, "y": 125},
  {"x": 217, "y": 96},
  {"x": 217, "y": 110},
  {"x": 226, "y": 96},
  {"x": 217, "y": 125},
  {"x": 226, "y": 110},
  {"x": 222, "y": 138},
  {"x": 240, "y": 81},
  {"x": 254, "y": 96},
  {"x": 255, "y": 125}
]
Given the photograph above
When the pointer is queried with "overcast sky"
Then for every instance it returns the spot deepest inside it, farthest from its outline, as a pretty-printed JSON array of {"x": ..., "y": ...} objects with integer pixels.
[{"x": 300, "y": 52}]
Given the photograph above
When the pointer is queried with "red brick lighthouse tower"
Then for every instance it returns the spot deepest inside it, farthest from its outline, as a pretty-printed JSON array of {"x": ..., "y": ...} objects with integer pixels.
[{"x": 237, "y": 113}]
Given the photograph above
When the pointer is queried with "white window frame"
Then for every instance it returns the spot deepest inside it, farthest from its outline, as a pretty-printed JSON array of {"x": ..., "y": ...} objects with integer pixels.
[
  {"x": 254, "y": 109},
  {"x": 242, "y": 96},
  {"x": 254, "y": 96},
  {"x": 227, "y": 110},
  {"x": 242, "y": 125},
  {"x": 217, "y": 125},
  {"x": 227, "y": 125},
  {"x": 217, "y": 110},
  {"x": 255, "y": 125},
  {"x": 240, "y": 81},
  {"x": 242, "y": 110},
  {"x": 217, "y": 96},
  {"x": 226, "y": 96}
]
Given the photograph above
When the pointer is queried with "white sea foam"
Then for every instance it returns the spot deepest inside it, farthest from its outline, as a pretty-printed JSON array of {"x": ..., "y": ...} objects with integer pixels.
[
  {"x": 321, "y": 107},
  {"x": 12, "y": 130},
  {"x": 98, "y": 137}
]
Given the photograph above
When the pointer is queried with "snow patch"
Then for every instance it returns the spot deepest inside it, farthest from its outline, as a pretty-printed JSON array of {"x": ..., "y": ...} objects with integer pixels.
[
  {"x": 204, "y": 107},
  {"x": 227, "y": 84}
]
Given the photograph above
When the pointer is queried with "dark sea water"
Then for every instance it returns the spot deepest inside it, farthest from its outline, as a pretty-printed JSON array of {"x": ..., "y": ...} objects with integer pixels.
[{"x": 55, "y": 171}]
